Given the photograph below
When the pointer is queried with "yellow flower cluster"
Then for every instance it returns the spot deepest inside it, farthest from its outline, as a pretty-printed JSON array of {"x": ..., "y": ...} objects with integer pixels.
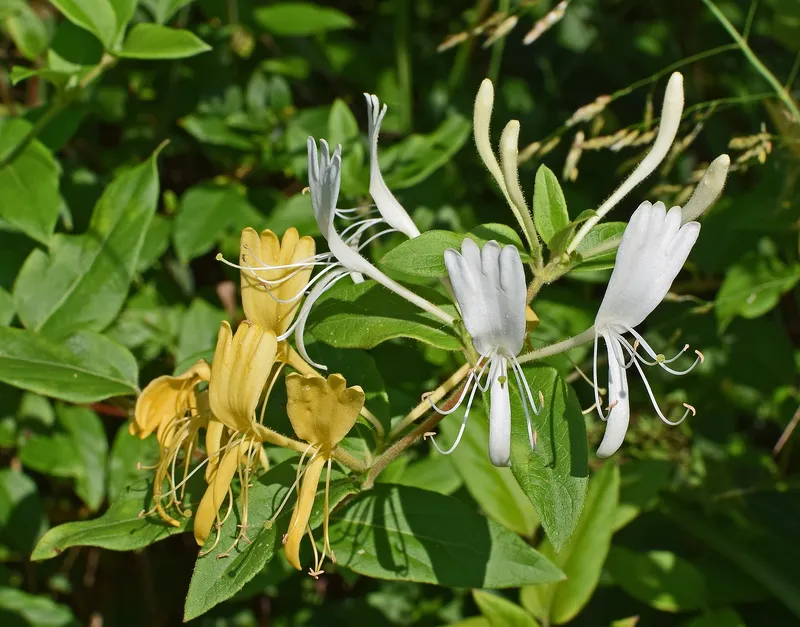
[{"x": 246, "y": 366}]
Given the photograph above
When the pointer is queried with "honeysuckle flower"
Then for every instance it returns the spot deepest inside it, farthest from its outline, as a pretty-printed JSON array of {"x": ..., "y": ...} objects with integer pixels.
[
  {"x": 242, "y": 366},
  {"x": 653, "y": 250},
  {"x": 273, "y": 273},
  {"x": 388, "y": 206},
  {"x": 489, "y": 286},
  {"x": 671, "y": 112},
  {"x": 167, "y": 398},
  {"x": 173, "y": 408},
  {"x": 322, "y": 412},
  {"x": 344, "y": 258}
]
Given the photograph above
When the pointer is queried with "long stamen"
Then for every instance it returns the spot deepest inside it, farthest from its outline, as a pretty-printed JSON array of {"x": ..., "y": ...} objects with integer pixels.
[
  {"x": 316, "y": 260},
  {"x": 304, "y": 289},
  {"x": 689, "y": 410},
  {"x": 466, "y": 414},
  {"x": 300, "y": 324},
  {"x": 519, "y": 375},
  {"x": 376, "y": 236},
  {"x": 470, "y": 378},
  {"x": 325, "y": 519},
  {"x": 597, "y": 401},
  {"x": 662, "y": 362}
]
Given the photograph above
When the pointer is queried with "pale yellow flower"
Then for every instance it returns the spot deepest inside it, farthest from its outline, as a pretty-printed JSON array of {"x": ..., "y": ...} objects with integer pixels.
[
  {"x": 322, "y": 411},
  {"x": 167, "y": 398},
  {"x": 274, "y": 276},
  {"x": 242, "y": 366}
]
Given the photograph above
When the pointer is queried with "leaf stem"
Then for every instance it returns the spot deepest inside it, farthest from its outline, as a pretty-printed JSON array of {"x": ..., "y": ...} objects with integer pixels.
[
  {"x": 434, "y": 397},
  {"x": 780, "y": 91},
  {"x": 559, "y": 347}
]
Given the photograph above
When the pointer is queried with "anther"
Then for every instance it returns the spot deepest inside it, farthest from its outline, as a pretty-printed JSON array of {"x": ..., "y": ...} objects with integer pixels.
[
  {"x": 305, "y": 190},
  {"x": 700, "y": 355},
  {"x": 541, "y": 398},
  {"x": 428, "y": 434},
  {"x": 612, "y": 405},
  {"x": 690, "y": 408}
]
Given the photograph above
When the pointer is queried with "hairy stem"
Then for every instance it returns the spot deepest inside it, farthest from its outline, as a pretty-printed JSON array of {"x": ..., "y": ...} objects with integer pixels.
[{"x": 559, "y": 347}]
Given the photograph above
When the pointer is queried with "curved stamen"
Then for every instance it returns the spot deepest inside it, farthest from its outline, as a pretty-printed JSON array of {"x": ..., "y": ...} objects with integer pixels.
[
  {"x": 662, "y": 362},
  {"x": 302, "y": 317},
  {"x": 376, "y": 236},
  {"x": 447, "y": 412},
  {"x": 466, "y": 414},
  {"x": 517, "y": 374},
  {"x": 308, "y": 286},
  {"x": 316, "y": 260},
  {"x": 359, "y": 227},
  {"x": 689, "y": 410}
]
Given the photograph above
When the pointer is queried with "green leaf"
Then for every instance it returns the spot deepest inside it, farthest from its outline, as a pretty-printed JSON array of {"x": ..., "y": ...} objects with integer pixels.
[
  {"x": 20, "y": 609},
  {"x": 214, "y": 130},
  {"x": 204, "y": 215},
  {"x": 123, "y": 527},
  {"x": 600, "y": 234},
  {"x": 493, "y": 488},
  {"x": 764, "y": 549},
  {"x": 199, "y": 328},
  {"x": 435, "y": 473},
  {"x": 423, "y": 256},
  {"x": 555, "y": 475},
  {"x": 22, "y": 519},
  {"x": 6, "y": 308},
  {"x": 399, "y": 533},
  {"x": 84, "y": 368},
  {"x": 83, "y": 281},
  {"x": 156, "y": 242},
  {"x": 29, "y": 197},
  {"x": 127, "y": 454},
  {"x": 88, "y": 435},
  {"x": 583, "y": 556},
  {"x": 229, "y": 564},
  {"x": 153, "y": 41},
  {"x": 753, "y": 287},
  {"x": 501, "y": 612},
  {"x": 549, "y": 207},
  {"x": 28, "y": 32},
  {"x": 415, "y": 158},
  {"x": 658, "y": 578},
  {"x": 96, "y": 16},
  {"x": 365, "y": 314},
  {"x": 164, "y": 10},
  {"x": 298, "y": 19}
]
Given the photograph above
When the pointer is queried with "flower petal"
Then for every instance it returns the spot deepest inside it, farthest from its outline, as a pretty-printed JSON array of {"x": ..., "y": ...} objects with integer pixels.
[
  {"x": 619, "y": 414},
  {"x": 500, "y": 417}
]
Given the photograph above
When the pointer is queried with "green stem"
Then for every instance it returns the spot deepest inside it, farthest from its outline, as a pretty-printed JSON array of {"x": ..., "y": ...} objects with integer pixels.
[
  {"x": 754, "y": 60},
  {"x": 559, "y": 347}
]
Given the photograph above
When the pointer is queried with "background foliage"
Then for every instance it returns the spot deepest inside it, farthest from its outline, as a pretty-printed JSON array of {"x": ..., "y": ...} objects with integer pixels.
[{"x": 138, "y": 139}]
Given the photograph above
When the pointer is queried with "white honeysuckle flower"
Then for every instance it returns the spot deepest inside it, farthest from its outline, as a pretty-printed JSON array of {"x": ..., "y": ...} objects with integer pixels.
[
  {"x": 388, "y": 206},
  {"x": 671, "y": 112},
  {"x": 653, "y": 250},
  {"x": 490, "y": 289}
]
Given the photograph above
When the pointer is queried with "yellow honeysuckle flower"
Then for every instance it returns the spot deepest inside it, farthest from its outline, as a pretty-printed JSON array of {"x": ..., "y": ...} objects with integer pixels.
[
  {"x": 321, "y": 411},
  {"x": 242, "y": 366},
  {"x": 271, "y": 297},
  {"x": 166, "y": 398}
]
